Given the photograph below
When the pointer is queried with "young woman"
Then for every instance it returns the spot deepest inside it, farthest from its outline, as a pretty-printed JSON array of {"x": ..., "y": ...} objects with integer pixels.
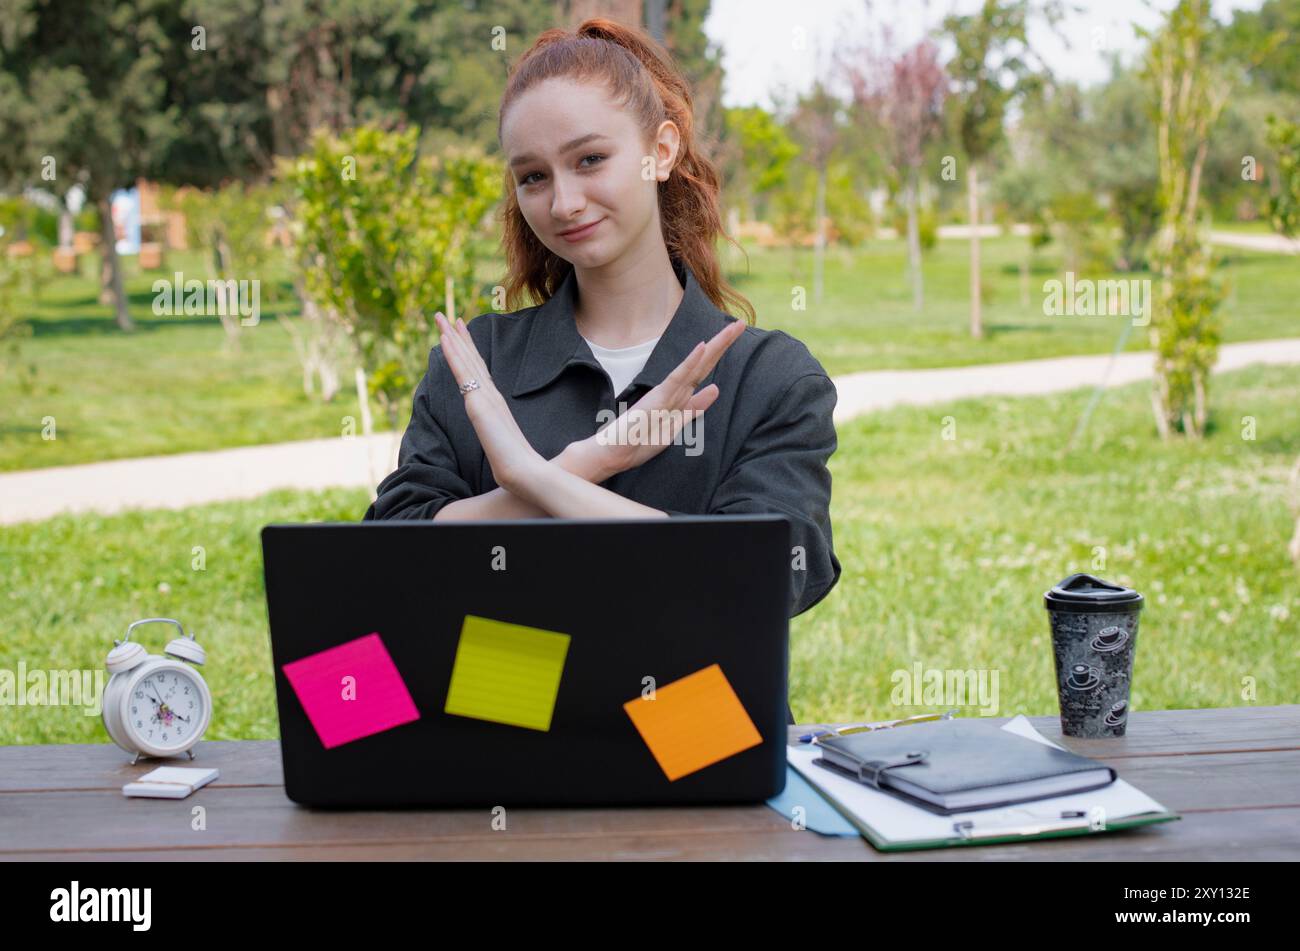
[{"x": 611, "y": 216}]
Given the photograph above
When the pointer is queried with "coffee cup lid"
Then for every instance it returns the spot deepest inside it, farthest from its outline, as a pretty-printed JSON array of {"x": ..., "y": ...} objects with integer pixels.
[{"x": 1087, "y": 594}]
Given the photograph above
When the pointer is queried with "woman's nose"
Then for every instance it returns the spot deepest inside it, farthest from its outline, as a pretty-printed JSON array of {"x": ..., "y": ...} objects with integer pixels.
[{"x": 566, "y": 199}]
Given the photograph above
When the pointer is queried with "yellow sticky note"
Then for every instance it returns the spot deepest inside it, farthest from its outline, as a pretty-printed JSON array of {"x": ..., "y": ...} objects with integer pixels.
[
  {"x": 693, "y": 722},
  {"x": 506, "y": 673}
]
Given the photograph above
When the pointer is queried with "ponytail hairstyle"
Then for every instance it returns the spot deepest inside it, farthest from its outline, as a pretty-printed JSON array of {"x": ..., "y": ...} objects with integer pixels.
[{"x": 641, "y": 76}]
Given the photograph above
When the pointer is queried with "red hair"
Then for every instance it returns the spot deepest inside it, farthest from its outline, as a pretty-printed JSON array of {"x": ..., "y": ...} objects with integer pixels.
[{"x": 641, "y": 76}]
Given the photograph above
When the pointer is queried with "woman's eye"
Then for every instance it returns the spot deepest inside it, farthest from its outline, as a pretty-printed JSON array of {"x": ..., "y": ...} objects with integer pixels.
[{"x": 527, "y": 179}]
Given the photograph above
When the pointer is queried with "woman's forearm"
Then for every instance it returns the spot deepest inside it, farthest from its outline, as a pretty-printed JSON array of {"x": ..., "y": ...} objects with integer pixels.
[
  {"x": 563, "y": 494},
  {"x": 576, "y": 459},
  {"x": 497, "y": 504}
]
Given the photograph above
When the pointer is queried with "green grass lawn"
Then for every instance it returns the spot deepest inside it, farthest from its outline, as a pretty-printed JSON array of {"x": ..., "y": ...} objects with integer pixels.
[
  {"x": 171, "y": 387},
  {"x": 1258, "y": 226},
  {"x": 947, "y": 547},
  {"x": 868, "y": 322}
]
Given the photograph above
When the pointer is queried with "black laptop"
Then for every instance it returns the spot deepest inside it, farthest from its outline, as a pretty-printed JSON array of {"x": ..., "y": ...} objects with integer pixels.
[{"x": 531, "y": 662}]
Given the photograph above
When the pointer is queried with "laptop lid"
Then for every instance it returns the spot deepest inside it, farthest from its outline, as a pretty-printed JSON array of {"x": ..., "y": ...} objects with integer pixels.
[{"x": 687, "y": 616}]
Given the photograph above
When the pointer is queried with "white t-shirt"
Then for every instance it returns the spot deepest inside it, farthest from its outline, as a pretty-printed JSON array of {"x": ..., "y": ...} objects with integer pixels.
[{"x": 623, "y": 364}]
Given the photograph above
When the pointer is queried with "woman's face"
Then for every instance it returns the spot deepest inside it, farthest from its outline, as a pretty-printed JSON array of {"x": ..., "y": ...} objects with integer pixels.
[{"x": 577, "y": 160}]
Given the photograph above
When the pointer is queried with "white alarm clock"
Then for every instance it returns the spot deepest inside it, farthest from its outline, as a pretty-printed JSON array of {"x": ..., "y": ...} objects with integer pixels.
[{"x": 156, "y": 706}]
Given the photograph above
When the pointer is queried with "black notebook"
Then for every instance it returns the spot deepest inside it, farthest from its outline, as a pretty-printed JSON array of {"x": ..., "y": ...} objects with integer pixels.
[{"x": 949, "y": 766}]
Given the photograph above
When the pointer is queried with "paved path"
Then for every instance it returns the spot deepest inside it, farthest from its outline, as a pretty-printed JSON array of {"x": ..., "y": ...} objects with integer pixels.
[
  {"x": 1257, "y": 242},
  {"x": 879, "y": 389},
  {"x": 1274, "y": 243},
  {"x": 193, "y": 478}
]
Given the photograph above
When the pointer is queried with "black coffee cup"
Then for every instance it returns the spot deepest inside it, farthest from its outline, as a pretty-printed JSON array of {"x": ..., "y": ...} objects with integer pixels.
[{"x": 1094, "y": 635}]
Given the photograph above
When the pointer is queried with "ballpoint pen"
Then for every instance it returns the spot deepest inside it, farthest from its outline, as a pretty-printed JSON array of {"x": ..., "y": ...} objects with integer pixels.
[{"x": 881, "y": 725}]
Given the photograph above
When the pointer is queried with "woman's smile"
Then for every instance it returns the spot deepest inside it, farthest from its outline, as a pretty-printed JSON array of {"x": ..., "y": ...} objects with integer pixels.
[{"x": 579, "y": 234}]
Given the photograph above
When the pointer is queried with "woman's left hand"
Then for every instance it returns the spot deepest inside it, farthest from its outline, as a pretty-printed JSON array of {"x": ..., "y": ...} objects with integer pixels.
[{"x": 507, "y": 448}]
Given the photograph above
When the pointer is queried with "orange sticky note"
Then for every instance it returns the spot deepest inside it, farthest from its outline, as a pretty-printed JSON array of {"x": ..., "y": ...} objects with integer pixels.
[{"x": 693, "y": 722}]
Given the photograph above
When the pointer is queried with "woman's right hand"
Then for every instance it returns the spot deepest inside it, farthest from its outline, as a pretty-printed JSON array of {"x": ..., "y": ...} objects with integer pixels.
[{"x": 650, "y": 425}]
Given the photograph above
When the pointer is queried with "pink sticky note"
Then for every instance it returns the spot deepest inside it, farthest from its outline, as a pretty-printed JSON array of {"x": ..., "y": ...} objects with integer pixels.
[{"x": 351, "y": 691}]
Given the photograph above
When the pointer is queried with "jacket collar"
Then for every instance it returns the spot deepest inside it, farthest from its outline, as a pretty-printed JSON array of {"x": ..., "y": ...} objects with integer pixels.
[{"x": 554, "y": 343}]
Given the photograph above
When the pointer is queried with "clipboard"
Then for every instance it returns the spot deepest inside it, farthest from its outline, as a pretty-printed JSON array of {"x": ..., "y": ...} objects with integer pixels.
[{"x": 893, "y": 825}]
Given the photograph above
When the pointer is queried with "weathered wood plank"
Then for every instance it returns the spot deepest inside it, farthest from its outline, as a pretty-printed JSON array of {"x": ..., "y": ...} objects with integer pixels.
[
  {"x": 261, "y": 815},
  {"x": 65, "y": 801},
  {"x": 1176, "y": 732},
  {"x": 106, "y": 766},
  {"x": 1263, "y": 835}
]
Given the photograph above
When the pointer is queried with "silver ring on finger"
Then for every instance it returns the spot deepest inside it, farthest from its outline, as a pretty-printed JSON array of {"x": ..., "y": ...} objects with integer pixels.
[{"x": 467, "y": 386}]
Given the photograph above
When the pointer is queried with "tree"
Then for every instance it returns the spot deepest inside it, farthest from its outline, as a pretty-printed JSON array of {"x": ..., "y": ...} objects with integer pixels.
[
  {"x": 1184, "y": 66},
  {"x": 231, "y": 225},
  {"x": 700, "y": 60},
  {"x": 1284, "y": 215},
  {"x": 14, "y": 280},
  {"x": 816, "y": 123},
  {"x": 1061, "y": 131},
  {"x": 904, "y": 96},
  {"x": 1264, "y": 41},
  {"x": 990, "y": 68},
  {"x": 271, "y": 74},
  {"x": 1284, "y": 203},
  {"x": 1122, "y": 161},
  {"x": 759, "y": 155},
  {"x": 84, "y": 100}
]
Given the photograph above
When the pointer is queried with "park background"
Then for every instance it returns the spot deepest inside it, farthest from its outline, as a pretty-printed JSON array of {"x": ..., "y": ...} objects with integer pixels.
[{"x": 904, "y": 211}]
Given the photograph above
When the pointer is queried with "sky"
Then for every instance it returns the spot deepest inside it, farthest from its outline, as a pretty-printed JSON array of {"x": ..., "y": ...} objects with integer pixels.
[{"x": 769, "y": 45}]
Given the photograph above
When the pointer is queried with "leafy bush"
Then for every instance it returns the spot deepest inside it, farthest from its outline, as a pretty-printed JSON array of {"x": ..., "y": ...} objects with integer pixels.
[
  {"x": 381, "y": 229},
  {"x": 927, "y": 223}
]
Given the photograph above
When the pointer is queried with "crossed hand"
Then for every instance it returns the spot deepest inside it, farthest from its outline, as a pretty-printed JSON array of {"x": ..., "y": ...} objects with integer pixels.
[{"x": 508, "y": 450}]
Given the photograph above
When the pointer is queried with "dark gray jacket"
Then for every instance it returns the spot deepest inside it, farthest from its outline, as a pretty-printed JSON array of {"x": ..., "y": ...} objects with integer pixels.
[{"x": 762, "y": 446}]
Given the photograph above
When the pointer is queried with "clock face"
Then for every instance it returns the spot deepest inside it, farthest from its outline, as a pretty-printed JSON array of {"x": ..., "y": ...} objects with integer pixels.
[{"x": 166, "y": 708}]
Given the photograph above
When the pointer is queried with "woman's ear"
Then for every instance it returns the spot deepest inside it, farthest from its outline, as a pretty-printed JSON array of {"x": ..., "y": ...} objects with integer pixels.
[{"x": 667, "y": 144}]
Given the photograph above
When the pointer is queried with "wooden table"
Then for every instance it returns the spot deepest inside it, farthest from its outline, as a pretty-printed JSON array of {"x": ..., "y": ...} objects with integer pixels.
[{"x": 1233, "y": 774}]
